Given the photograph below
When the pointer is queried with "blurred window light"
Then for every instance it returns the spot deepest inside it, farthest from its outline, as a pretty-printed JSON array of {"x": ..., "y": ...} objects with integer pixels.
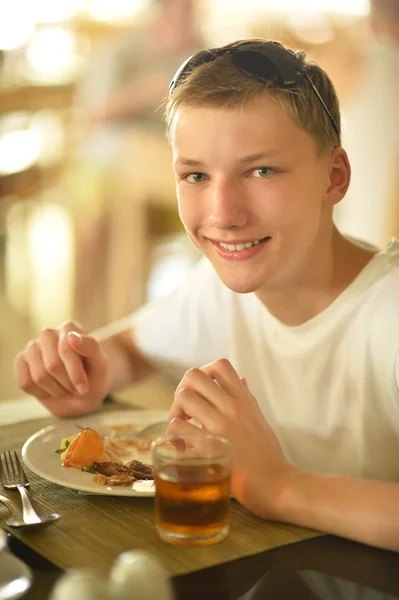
[
  {"x": 49, "y": 237},
  {"x": 53, "y": 55},
  {"x": 312, "y": 29},
  {"x": 50, "y": 248},
  {"x": 16, "y": 261},
  {"x": 115, "y": 10},
  {"x": 16, "y": 24},
  {"x": 47, "y": 126},
  {"x": 19, "y": 150},
  {"x": 51, "y": 11},
  {"x": 14, "y": 121}
]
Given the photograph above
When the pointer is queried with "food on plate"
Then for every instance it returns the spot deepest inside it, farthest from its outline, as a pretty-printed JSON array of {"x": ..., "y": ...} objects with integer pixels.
[
  {"x": 65, "y": 442},
  {"x": 109, "y": 458},
  {"x": 112, "y": 473},
  {"x": 136, "y": 468},
  {"x": 85, "y": 449}
]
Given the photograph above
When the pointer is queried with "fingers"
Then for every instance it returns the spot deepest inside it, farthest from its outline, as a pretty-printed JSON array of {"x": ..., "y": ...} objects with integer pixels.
[
  {"x": 215, "y": 395},
  {"x": 24, "y": 379},
  {"x": 228, "y": 379},
  {"x": 48, "y": 369},
  {"x": 204, "y": 385},
  {"x": 40, "y": 376},
  {"x": 226, "y": 376},
  {"x": 70, "y": 341},
  {"x": 67, "y": 326},
  {"x": 81, "y": 355},
  {"x": 85, "y": 345},
  {"x": 204, "y": 444},
  {"x": 216, "y": 382},
  {"x": 74, "y": 346},
  {"x": 73, "y": 364},
  {"x": 61, "y": 364},
  {"x": 189, "y": 404},
  {"x": 52, "y": 361},
  {"x": 180, "y": 428}
]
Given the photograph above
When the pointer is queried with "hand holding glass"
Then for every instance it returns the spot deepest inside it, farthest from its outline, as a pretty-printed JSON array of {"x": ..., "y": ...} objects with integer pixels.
[{"x": 192, "y": 477}]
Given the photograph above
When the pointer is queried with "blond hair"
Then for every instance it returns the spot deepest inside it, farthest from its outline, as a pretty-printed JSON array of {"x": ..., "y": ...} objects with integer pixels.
[{"x": 220, "y": 84}]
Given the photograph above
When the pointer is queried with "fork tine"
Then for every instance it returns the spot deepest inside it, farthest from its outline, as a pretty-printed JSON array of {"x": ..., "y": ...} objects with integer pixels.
[
  {"x": 3, "y": 468},
  {"x": 18, "y": 470},
  {"x": 11, "y": 469},
  {"x": 7, "y": 466}
]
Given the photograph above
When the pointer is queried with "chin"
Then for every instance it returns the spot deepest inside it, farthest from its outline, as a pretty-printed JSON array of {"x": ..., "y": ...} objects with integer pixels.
[
  {"x": 240, "y": 288},
  {"x": 240, "y": 285}
]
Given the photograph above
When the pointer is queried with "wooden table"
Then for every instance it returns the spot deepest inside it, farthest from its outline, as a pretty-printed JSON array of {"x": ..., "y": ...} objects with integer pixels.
[{"x": 95, "y": 529}]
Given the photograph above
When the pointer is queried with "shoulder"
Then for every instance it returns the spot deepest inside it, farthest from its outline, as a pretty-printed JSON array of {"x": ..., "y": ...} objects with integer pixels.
[
  {"x": 391, "y": 252},
  {"x": 382, "y": 314},
  {"x": 388, "y": 265}
]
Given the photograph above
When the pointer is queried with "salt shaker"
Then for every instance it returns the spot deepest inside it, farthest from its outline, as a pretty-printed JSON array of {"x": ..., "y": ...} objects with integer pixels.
[
  {"x": 139, "y": 574},
  {"x": 79, "y": 584}
]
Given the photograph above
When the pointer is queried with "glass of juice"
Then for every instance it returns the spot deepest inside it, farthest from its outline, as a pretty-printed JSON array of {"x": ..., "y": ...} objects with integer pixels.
[{"x": 192, "y": 477}]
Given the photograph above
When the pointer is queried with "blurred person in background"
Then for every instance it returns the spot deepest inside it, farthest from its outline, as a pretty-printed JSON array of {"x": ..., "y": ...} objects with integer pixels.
[
  {"x": 122, "y": 89},
  {"x": 370, "y": 130}
]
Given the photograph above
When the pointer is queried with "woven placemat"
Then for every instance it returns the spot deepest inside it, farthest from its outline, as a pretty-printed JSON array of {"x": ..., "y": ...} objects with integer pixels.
[{"x": 93, "y": 530}]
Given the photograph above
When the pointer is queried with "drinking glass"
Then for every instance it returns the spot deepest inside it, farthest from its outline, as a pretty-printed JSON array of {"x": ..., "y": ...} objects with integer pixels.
[{"x": 192, "y": 478}]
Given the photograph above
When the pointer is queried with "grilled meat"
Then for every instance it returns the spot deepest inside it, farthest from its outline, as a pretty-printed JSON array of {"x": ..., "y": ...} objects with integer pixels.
[{"x": 135, "y": 469}]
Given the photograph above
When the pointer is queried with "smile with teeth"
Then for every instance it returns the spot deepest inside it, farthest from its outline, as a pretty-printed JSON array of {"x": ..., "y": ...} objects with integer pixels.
[{"x": 238, "y": 247}]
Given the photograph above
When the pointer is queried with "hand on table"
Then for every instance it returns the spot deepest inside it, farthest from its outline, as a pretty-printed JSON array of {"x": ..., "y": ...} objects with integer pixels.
[
  {"x": 65, "y": 369},
  {"x": 222, "y": 402}
]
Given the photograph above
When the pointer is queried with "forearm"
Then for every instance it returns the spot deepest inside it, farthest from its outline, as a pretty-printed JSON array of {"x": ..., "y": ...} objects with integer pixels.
[
  {"x": 358, "y": 509},
  {"x": 126, "y": 365}
]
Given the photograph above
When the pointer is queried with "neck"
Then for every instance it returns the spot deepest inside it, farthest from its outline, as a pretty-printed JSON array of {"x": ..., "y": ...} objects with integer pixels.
[{"x": 326, "y": 272}]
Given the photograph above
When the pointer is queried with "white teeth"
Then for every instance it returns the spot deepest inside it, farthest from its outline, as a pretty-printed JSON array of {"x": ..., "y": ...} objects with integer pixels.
[{"x": 238, "y": 247}]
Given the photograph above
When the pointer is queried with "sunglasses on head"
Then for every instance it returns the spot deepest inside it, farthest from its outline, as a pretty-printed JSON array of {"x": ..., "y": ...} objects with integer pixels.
[{"x": 263, "y": 61}]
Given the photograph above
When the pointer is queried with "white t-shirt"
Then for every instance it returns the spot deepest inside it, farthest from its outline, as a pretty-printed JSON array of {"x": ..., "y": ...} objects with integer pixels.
[{"x": 329, "y": 387}]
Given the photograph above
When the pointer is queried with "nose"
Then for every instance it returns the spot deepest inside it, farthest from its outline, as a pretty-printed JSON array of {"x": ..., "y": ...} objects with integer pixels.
[{"x": 228, "y": 208}]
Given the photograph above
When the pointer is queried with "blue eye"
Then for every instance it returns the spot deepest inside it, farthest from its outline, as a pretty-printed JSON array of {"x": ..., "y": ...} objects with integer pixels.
[
  {"x": 195, "y": 177},
  {"x": 263, "y": 172}
]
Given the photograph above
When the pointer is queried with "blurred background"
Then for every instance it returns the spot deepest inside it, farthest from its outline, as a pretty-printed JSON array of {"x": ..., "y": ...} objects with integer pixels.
[{"x": 88, "y": 222}]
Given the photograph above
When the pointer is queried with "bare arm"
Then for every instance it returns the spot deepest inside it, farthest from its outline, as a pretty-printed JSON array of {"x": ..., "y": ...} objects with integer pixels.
[{"x": 359, "y": 509}]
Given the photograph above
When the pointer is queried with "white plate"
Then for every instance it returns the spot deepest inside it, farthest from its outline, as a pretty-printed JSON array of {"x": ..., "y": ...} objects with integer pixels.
[
  {"x": 39, "y": 456},
  {"x": 15, "y": 577}
]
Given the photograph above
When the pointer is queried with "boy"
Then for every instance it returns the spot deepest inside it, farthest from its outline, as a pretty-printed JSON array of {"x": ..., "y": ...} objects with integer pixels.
[{"x": 305, "y": 318}]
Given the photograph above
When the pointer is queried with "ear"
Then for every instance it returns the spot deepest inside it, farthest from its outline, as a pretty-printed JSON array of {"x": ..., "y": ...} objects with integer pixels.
[{"x": 339, "y": 176}]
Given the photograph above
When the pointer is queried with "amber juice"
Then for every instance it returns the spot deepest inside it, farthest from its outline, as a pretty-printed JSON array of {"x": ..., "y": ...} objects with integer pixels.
[{"x": 192, "y": 503}]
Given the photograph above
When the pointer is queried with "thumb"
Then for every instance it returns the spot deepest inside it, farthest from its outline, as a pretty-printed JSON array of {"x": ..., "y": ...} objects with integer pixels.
[{"x": 84, "y": 345}]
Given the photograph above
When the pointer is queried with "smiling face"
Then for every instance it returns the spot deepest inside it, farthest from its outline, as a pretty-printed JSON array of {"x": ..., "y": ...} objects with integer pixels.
[{"x": 254, "y": 194}]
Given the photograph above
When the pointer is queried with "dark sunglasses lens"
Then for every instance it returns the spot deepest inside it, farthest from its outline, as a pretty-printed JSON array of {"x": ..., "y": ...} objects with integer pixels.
[
  {"x": 202, "y": 57},
  {"x": 258, "y": 66}
]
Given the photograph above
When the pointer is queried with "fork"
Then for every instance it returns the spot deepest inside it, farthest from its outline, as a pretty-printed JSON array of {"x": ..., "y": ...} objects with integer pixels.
[
  {"x": 12, "y": 476},
  {"x": 153, "y": 429}
]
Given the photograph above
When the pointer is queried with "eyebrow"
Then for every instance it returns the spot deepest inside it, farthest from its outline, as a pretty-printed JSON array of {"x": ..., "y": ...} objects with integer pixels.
[{"x": 246, "y": 159}]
